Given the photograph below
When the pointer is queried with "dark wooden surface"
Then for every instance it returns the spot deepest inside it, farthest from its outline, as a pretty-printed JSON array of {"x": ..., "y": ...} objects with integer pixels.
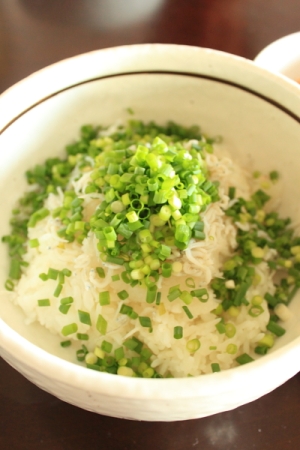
[{"x": 35, "y": 33}]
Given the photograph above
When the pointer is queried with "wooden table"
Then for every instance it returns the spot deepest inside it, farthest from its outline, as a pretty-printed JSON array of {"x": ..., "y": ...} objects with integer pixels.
[{"x": 36, "y": 33}]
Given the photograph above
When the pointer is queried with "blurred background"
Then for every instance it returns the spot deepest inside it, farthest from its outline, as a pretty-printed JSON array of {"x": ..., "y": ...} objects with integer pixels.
[{"x": 36, "y": 33}]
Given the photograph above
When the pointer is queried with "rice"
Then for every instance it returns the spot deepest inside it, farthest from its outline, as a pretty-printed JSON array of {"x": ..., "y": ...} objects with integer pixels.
[{"x": 202, "y": 260}]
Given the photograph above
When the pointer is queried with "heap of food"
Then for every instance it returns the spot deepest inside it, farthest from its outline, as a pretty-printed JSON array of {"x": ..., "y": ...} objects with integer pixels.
[{"x": 152, "y": 253}]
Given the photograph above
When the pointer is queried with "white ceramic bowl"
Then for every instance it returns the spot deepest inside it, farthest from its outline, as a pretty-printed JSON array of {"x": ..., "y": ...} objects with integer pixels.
[
  {"x": 255, "y": 111},
  {"x": 283, "y": 56}
]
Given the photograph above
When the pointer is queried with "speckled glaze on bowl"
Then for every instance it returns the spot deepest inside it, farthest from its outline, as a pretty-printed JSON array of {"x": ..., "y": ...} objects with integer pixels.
[{"x": 257, "y": 113}]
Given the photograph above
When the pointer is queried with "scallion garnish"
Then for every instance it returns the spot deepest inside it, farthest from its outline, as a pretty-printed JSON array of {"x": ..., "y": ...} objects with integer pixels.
[
  {"x": 215, "y": 367},
  {"x": 178, "y": 332},
  {"x": 43, "y": 276},
  {"x": 101, "y": 324},
  {"x": 193, "y": 345},
  {"x": 58, "y": 290},
  {"x": 275, "y": 328},
  {"x": 190, "y": 282},
  {"x": 244, "y": 359},
  {"x": 33, "y": 243},
  {"x": 52, "y": 274},
  {"x": 9, "y": 285},
  {"x": 15, "y": 269},
  {"x": 145, "y": 322},
  {"x": 106, "y": 346},
  {"x": 69, "y": 329},
  {"x": 104, "y": 298},
  {"x": 188, "y": 312},
  {"x": 122, "y": 295},
  {"x": 64, "y": 308},
  {"x": 84, "y": 317},
  {"x": 173, "y": 294},
  {"x": 82, "y": 336},
  {"x": 44, "y": 302}
]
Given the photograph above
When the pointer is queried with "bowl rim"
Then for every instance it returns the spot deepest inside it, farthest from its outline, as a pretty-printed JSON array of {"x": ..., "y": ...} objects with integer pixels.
[{"x": 14, "y": 104}]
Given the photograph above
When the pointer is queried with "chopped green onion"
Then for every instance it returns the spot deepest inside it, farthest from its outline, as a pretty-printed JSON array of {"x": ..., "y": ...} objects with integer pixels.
[
  {"x": 84, "y": 317},
  {"x": 15, "y": 269},
  {"x": 125, "y": 371},
  {"x": 104, "y": 298},
  {"x": 145, "y": 321},
  {"x": 174, "y": 294},
  {"x": 231, "y": 349},
  {"x": 231, "y": 192},
  {"x": 193, "y": 345},
  {"x": 61, "y": 278},
  {"x": 101, "y": 324},
  {"x": 131, "y": 344},
  {"x": 133, "y": 315},
  {"x": 244, "y": 359},
  {"x": 44, "y": 302},
  {"x": 81, "y": 353},
  {"x": 190, "y": 282},
  {"x": 178, "y": 332},
  {"x": 65, "y": 343},
  {"x": 9, "y": 285},
  {"x": 274, "y": 175},
  {"x": 267, "y": 340},
  {"x": 215, "y": 367},
  {"x": 69, "y": 329},
  {"x": 261, "y": 349},
  {"x": 82, "y": 336},
  {"x": 106, "y": 346},
  {"x": 221, "y": 327},
  {"x": 188, "y": 312},
  {"x": 52, "y": 274},
  {"x": 33, "y": 243},
  {"x": 126, "y": 309},
  {"x": 119, "y": 353},
  {"x": 58, "y": 290},
  {"x": 66, "y": 300},
  {"x": 100, "y": 272},
  {"x": 255, "y": 311},
  {"x": 114, "y": 260},
  {"x": 272, "y": 301},
  {"x": 123, "y": 295},
  {"x": 66, "y": 272},
  {"x": 166, "y": 270},
  {"x": 230, "y": 330},
  {"x": 158, "y": 298},
  {"x": 151, "y": 294},
  {"x": 201, "y": 294},
  {"x": 43, "y": 276},
  {"x": 275, "y": 328},
  {"x": 186, "y": 297},
  {"x": 64, "y": 308}
]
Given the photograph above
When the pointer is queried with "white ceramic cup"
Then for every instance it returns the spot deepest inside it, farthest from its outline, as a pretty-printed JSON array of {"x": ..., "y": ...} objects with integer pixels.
[{"x": 283, "y": 56}]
